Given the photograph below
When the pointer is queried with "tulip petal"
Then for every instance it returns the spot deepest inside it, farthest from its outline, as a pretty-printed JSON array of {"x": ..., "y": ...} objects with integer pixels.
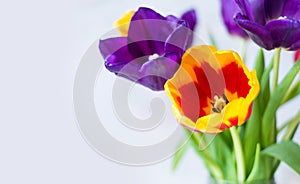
[
  {"x": 238, "y": 83},
  {"x": 273, "y": 8},
  {"x": 210, "y": 124},
  {"x": 123, "y": 23},
  {"x": 148, "y": 31},
  {"x": 228, "y": 9},
  {"x": 191, "y": 18},
  {"x": 284, "y": 31},
  {"x": 254, "y": 9},
  {"x": 295, "y": 46},
  {"x": 155, "y": 73},
  {"x": 291, "y": 9},
  {"x": 258, "y": 33},
  {"x": 179, "y": 40},
  {"x": 115, "y": 53}
]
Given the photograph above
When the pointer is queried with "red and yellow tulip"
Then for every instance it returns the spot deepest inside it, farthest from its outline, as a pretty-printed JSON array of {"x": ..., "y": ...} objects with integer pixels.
[{"x": 212, "y": 90}]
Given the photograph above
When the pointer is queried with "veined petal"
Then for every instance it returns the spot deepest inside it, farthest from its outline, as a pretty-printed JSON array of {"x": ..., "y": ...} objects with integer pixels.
[
  {"x": 291, "y": 9},
  {"x": 284, "y": 32},
  {"x": 147, "y": 29},
  {"x": 253, "y": 9}
]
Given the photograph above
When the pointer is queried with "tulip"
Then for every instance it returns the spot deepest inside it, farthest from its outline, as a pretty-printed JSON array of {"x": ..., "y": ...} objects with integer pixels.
[
  {"x": 151, "y": 46},
  {"x": 271, "y": 23},
  {"x": 212, "y": 90}
]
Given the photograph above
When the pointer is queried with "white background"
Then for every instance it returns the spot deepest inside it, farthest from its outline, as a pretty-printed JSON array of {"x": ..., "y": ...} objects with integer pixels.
[{"x": 41, "y": 45}]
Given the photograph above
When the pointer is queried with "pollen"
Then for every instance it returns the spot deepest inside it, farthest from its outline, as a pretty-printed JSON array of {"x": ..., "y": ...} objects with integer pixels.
[{"x": 219, "y": 103}]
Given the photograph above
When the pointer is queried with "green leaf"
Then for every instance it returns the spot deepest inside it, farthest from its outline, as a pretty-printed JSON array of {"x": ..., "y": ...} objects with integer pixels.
[
  {"x": 264, "y": 94},
  {"x": 252, "y": 135},
  {"x": 179, "y": 154},
  {"x": 268, "y": 125},
  {"x": 292, "y": 93},
  {"x": 287, "y": 152},
  {"x": 260, "y": 64}
]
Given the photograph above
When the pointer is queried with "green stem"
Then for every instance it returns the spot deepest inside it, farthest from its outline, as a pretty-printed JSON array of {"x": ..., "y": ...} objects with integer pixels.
[
  {"x": 239, "y": 154},
  {"x": 276, "y": 68},
  {"x": 292, "y": 127},
  {"x": 295, "y": 119},
  {"x": 244, "y": 49}
]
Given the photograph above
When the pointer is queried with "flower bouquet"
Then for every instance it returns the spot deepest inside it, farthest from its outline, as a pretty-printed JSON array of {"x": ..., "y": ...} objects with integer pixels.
[{"x": 227, "y": 111}]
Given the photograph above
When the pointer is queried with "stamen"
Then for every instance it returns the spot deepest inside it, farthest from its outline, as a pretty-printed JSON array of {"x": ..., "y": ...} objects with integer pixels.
[
  {"x": 153, "y": 56},
  {"x": 282, "y": 17},
  {"x": 219, "y": 103}
]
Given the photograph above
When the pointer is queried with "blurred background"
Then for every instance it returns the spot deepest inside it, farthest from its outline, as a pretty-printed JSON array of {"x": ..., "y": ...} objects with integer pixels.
[{"x": 42, "y": 43}]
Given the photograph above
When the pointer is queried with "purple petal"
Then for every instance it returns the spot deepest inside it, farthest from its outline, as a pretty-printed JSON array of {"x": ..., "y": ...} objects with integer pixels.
[
  {"x": 111, "y": 45},
  {"x": 295, "y": 46},
  {"x": 284, "y": 32},
  {"x": 179, "y": 40},
  {"x": 155, "y": 73},
  {"x": 258, "y": 33},
  {"x": 273, "y": 8},
  {"x": 131, "y": 70},
  {"x": 253, "y": 9},
  {"x": 191, "y": 18},
  {"x": 172, "y": 18},
  {"x": 147, "y": 26},
  {"x": 115, "y": 53},
  {"x": 291, "y": 9},
  {"x": 229, "y": 8}
]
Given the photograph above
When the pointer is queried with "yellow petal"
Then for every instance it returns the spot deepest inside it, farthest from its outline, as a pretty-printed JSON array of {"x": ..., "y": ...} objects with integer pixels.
[{"x": 123, "y": 23}]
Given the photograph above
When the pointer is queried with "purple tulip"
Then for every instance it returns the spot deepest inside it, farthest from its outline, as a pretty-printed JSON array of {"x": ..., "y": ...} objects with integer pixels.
[
  {"x": 151, "y": 52},
  {"x": 229, "y": 9},
  {"x": 271, "y": 23}
]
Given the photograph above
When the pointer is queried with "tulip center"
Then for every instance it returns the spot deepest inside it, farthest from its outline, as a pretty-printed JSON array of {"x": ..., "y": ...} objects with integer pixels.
[
  {"x": 153, "y": 56},
  {"x": 219, "y": 103}
]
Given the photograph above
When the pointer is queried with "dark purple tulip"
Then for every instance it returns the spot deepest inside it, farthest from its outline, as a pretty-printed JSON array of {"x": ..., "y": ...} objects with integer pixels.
[
  {"x": 271, "y": 23},
  {"x": 152, "y": 51},
  {"x": 229, "y": 9}
]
